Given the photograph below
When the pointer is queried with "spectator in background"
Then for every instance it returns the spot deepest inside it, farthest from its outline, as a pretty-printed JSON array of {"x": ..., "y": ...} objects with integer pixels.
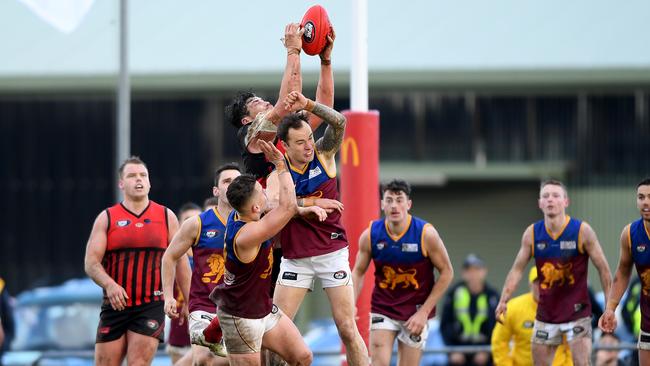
[
  {"x": 6, "y": 320},
  {"x": 468, "y": 313},
  {"x": 511, "y": 339},
  {"x": 178, "y": 343},
  {"x": 608, "y": 357},
  {"x": 210, "y": 203}
]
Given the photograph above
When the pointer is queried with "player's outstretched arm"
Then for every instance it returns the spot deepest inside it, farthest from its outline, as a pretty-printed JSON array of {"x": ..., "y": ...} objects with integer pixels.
[
  {"x": 177, "y": 249},
  {"x": 325, "y": 87},
  {"x": 292, "y": 77},
  {"x": 607, "y": 321},
  {"x": 253, "y": 233},
  {"x": 437, "y": 253},
  {"x": 362, "y": 262},
  {"x": 95, "y": 249},
  {"x": 595, "y": 251},
  {"x": 514, "y": 276}
]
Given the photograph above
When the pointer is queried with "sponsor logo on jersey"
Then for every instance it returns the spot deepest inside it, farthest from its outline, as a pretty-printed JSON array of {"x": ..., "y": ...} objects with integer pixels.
[
  {"x": 381, "y": 245},
  {"x": 147, "y": 221},
  {"x": 123, "y": 223},
  {"x": 157, "y": 293},
  {"x": 568, "y": 245},
  {"x": 335, "y": 235},
  {"x": 139, "y": 224},
  {"x": 541, "y": 245},
  {"x": 641, "y": 248},
  {"x": 410, "y": 247},
  {"x": 211, "y": 233},
  {"x": 529, "y": 324},
  {"x": 315, "y": 172}
]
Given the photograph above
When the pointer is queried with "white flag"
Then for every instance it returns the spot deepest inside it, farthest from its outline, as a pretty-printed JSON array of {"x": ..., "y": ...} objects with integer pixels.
[{"x": 64, "y": 15}]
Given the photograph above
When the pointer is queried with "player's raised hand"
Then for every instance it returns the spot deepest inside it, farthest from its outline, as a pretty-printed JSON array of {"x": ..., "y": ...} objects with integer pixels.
[
  {"x": 271, "y": 152},
  {"x": 117, "y": 296},
  {"x": 293, "y": 37},
  {"x": 500, "y": 311},
  {"x": 607, "y": 322},
  {"x": 326, "y": 53}
]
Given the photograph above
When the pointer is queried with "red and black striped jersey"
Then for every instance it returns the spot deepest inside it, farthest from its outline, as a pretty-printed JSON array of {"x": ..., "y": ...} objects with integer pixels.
[{"x": 134, "y": 248}]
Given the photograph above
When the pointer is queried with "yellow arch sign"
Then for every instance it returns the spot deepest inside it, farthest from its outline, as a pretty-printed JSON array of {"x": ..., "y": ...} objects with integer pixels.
[{"x": 349, "y": 143}]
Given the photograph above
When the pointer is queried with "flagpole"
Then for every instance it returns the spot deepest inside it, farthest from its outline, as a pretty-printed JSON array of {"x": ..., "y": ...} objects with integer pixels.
[{"x": 123, "y": 127}]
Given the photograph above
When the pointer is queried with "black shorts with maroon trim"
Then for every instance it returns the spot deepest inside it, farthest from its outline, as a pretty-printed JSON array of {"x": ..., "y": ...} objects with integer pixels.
[{"x": 146, "y": 319}]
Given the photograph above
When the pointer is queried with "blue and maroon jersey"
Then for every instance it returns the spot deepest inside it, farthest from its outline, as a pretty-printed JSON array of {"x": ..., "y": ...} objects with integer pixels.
[
  {"x": 562, "y": 265},
  {"x": 639, "y": 241},
  {"x": 244, "y": 291},
  {"x": 404, "y": 274},
  {"x": 135, "y": 245},
  {"x": 302, "y": 238},
  {"x": 208, "y": 260}
]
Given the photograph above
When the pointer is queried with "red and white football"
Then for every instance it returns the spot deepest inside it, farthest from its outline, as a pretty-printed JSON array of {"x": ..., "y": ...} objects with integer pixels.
[{"x": 317, "y": 26}]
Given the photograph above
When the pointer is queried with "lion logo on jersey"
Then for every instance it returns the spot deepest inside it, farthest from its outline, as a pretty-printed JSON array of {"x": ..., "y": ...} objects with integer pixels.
[
  {"x": 216, "y": 264},
  {"x": 645, "y": 281},
  {"x": 392, "y": 278},
  {"x": 559, "y": 274}
]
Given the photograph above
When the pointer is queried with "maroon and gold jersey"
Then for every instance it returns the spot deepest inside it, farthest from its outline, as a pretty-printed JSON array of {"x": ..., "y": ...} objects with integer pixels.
[
  {"x": 562, "y": 265},
  {"x": 134, "y": 248},
  {"x": 302, "y": 238},
  {"x": 639, "y": 240},
  {"x": 208, "y": 260},
  {"x": 244, "y": 291},
  {"x": 404, "y": 274}
]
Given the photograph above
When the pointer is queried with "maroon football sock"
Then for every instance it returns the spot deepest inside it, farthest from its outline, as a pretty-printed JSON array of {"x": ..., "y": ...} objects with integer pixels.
[{"x": 212, "y": 332}]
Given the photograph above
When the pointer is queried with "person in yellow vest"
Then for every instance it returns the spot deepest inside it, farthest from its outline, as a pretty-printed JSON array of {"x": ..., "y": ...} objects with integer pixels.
[
  {"x": 511, "y": 337},
  {"x": 467, "y": 316}
]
